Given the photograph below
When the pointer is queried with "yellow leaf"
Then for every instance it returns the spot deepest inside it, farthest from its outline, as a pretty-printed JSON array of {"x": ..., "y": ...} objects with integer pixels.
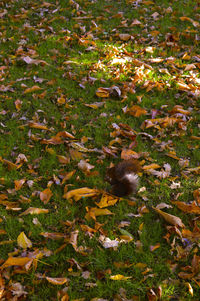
[
  {"x": 57, "y": 281},
  {"x": 107, "y": 200},
  {"x": 19, "y": 261},
  {"x": 32, "y": 89},
  {"x": 61, "y": 100},
  {"x": 151, "y": 166},
  {"x": 119, "y": 277},
  {"x": 23, "y": 241},
  {"x": 93, "y": 212},
  {"x": 77, "y": 194}
]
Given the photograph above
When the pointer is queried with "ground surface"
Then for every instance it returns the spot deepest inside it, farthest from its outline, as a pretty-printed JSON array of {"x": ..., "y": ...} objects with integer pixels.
[{"x": 83, "y": 85}]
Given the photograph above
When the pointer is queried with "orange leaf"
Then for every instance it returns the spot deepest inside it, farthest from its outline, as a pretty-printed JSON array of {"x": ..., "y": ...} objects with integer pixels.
[
  {"x": 102, "y": 92},
  {"x": 188, "y": 208},
  {"x": 151, "y": 166},
  {"x": 32, "y": 89},
  {"x": 19, "y": 261},
  {"x": 45, "y": 195},
  {"x": 37, "y": 125},
  {"x": 136, "y": 111},
  {"x": 19, "y": 184}
]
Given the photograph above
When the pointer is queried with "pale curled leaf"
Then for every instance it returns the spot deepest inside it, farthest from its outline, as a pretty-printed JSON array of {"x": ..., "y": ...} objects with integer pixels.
[
  {"x": 33, "y": 210},
  {"x": 171, "y": 219},
  {"x": 57, "y": 281},
  {"x": 107, "y": 242}
]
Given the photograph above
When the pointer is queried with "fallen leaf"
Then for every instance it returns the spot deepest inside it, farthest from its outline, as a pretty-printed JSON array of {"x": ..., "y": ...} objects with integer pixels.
[
  {"x": 45, "y": 195},
  {"x": 19, "y": 184},
  {"x": 107, "y": 200},
  {"x": 16, "y": 261},
  {"x": 57, "y": 281},
  {"x": 79, "y": 193},
  {"x": 171, "y": 219},
  {"x": 33, "y": 210},
  {"x": 32, "y": 89},
  {"x": 23, "y": 241},
  {"x": 119, "y": 277}
]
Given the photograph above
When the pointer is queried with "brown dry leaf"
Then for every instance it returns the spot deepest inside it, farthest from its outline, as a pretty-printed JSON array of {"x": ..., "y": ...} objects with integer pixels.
[
  {"x": 107, "y": 200},
  {"x": 33, "y": 210},
  {"x": 124, "y": 36},
  {"x": 45, "y": 195},
  {"x": 188, "y": 208},
  {"x": 171, "y": 219},
  {"x": 37, "y": 125},
  {"x": 79, "y": 193},
  {"x": 19, "y": 184},
  {"x": 10, "y": 164},
  {"x": 57, "y": 281},
  {"x": 19, "y": 261},
  {"x": 63, "y": 159},
  {"x": 68, "y": 176},
  {"x": 23, "y": 241},
  {"x": 136, "y": 111},
  {"x": 32, "y": 89},
  {"x": 103, "y": 92}
]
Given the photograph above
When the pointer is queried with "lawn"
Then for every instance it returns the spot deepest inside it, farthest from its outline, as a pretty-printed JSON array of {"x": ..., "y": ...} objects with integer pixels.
[{"x": 83, "y": 86}]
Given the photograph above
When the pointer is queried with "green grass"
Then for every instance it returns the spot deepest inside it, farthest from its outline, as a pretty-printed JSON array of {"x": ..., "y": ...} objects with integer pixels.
[{"x": 81, "y": 49}]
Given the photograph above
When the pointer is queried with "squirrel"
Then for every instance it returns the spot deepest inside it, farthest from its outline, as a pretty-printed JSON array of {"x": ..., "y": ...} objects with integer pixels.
[{"x": 123, "y": 177}]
